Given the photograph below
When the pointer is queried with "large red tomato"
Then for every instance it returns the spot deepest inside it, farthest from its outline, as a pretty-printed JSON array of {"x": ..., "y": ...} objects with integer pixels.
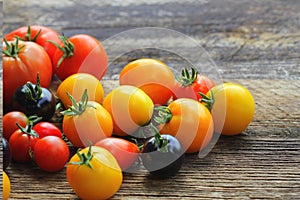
[{"x": 21, "y": 63}]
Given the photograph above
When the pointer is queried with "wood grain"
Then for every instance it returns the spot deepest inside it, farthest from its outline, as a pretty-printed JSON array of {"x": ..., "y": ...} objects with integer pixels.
[{"x": 253, "y": 43}]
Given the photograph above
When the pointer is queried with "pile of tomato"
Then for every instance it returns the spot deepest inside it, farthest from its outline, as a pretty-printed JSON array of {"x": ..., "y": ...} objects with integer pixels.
[{"x": 153, "y": 117}]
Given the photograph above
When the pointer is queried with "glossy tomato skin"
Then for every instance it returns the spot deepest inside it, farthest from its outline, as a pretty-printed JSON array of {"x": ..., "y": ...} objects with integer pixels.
[
  {"x": 51, "y": 153},
  {"x": 5, "y": 186},
  {"x": 94, "y": 124},
  {"x": 129, "y": 107},
  {"x": 44, "y": 129},
  {"x": 21, "y": 143},
  {"x": 43, "y": 107},
  {"x": 233, "y": 108},
  {"x": 163, "y": 163},
  {"x": 31, "y": 60},
  {"x": 125, "y": 152},
  {"x": 202, "y": 84},
  {"x": 191, "y": 123},
  {"x": 89, "y": 56},
  {"x": 9, "y": 122},
  {"x": 75, "y": 86},
  {"x": 43, "y": 38},
  {"x": 101, "y": 181},
  {"x": 6, "y": 153},
  {"x": 152, "y": 76}
]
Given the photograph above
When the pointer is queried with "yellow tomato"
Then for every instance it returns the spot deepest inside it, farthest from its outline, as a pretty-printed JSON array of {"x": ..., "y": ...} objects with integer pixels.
[
  {"x": 129, "y": 107},
  {"x": 76, "y": 84},
  {"x": 233, "y": 108},
  {"x": 6, "y": 186},
  {"x": 96, "y": 176},
  {"x": 152, "y": 76}
]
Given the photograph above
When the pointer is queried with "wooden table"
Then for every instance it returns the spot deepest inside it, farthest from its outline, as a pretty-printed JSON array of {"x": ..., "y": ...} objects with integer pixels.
[{"x": 254, "y": 43}]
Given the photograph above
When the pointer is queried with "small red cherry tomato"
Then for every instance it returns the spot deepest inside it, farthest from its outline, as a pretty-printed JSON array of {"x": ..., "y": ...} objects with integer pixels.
[{"x": 44, "y": 129}]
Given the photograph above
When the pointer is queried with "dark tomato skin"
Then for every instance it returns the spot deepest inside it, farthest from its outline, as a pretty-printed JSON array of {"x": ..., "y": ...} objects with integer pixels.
[
  {"x": 9, "y": 122},
  {"x": 51, "y": 153},
  {"x": 6, "y": 153},
  {"x": 44, "y": 129},
  {"x": 44, "y": 107},
  {"x": 159, "y": 163},
  {"x": 21, "y": 144}
]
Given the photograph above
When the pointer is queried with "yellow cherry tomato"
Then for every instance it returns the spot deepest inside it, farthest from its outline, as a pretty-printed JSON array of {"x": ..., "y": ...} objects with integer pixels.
[
  {"x": 233, "y": 108},
  {"x": 152, "y": 76},
  {"x": 6, "y": 186},
  {"x": 129, "y": 107},
  {"x": 94, "y": 173},
  {"x": 76, "y": 84}
]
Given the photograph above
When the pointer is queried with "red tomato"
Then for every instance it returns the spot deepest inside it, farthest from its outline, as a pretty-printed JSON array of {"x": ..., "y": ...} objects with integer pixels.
[
  {"x": 80, "y": 54},
  {"x": 189, "y": 86},
  {"x": 9, "y": 122},
  {"x": 44, "y": 129},
  {"x": 125, "y": 152},
  {"x": 39, "y": 34},
  {"x": 51, "y": 153},
  {"x": 21, "y": 143},
  {"x": 22, "y": 66}
]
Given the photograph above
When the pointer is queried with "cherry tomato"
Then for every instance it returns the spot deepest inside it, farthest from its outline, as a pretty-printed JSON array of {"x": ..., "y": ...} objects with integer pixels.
[
  {"x": 80, "y": 54},
  {"x": 191, "y": 85},
  {"x": 152, "y": 76},
  {"x": 9, "y": 122},
  {"x": 190, "y": 122},
  {"x": 5, "y": 186},
  {"x": 162, "y": 155},
  {"x": 75, "y": 86},
  {"x": 51, "y": 153},
  {"x": 233, "y": 108},
  {"x": 44, "y": 129},
  {"x": 39, "y": 34},
  {"x": 22, "y": 141},
  {"x": 125, "y": 152},
  {"x": 86, "y": 122},
  {"x": 94, "y": 173},
  {"x": 32, "y": 99},
  {"x": 6, "y": 153},
  {"x": 129, "y": 107},
  {"x": 24, "y": 62}
]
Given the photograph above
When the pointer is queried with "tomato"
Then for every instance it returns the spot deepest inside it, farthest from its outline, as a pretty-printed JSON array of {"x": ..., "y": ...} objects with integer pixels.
[
  {"x": 9, "y": 122},
  {"x": 44, "y": 129},
  {"x": 24, "y": 62},
  {"x": 86, "y": 122},
  {"x": 129, "y": 107},
  {"x": 80, "y": 54},
  {"x": 94, "y": 173},
  {"x": 233, "y": 108},
  {"x": 125, "y": 152},
  {"x": 32, "y": 99},
  {"x": 190, "y": 86},
  {"x": 163, "y": 155},
  {"x": 6, "y": 153},
  {"x": 51, "y": 153},
  {"x": 190, "y": 122},
  {"x": 75, "y": 86},
  {"x": 39, "y": 34},
  {"x": 152, "y": 76},
  {"x": 22, "y": 141},
  {"x": 5, "y": 186}
]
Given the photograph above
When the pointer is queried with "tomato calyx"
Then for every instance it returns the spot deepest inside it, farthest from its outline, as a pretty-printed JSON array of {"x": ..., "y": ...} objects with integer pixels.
[
  {"x": 28, "y": 35},
  {"x": 186, "y": 78},
  {"x": 77, "y": 108},
  {"x": 207, "y": 101},
  {"x": 67, "y": 49},
  {"x": 12, "y": 49},
  {"x": 28, "y": 129},
  {"x": 34, "y": 92},
  {"x": 164, "y": 114},
  {"x": 160, "y": 142},
  {"x": 84, "y": 158}
]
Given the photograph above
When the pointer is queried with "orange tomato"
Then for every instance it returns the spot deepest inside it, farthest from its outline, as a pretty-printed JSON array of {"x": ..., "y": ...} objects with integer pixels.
[
  {"x": 152, "y": 76},
  {"x": 191, "y": 124},
  {"x": 76, "y": 84},
  {"x": 5, "y": 186}
]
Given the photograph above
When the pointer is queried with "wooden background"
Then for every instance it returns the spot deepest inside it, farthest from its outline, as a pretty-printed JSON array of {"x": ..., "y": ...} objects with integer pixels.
[{"x": 254, "y": 43}]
